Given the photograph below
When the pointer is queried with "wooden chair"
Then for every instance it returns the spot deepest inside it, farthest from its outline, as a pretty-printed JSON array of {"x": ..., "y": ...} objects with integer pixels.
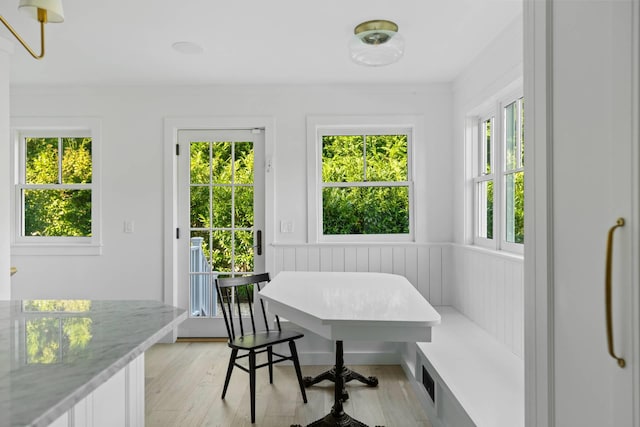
[{"x": 235, "y": 295}]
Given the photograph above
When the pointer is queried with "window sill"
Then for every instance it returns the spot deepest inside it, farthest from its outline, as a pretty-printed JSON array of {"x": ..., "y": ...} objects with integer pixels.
[
  {"x": 495, "y": 252},
  {"x": 44, "y": 249},
  {"x": 357, "y": 244}
]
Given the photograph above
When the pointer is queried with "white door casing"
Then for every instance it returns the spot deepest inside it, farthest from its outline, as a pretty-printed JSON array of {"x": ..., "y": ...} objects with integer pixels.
[{"x": 172, "y": 126}]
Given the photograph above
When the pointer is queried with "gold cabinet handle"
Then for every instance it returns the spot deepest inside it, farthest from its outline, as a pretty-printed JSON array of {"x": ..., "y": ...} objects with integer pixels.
[{"x": 607, "y": 291}]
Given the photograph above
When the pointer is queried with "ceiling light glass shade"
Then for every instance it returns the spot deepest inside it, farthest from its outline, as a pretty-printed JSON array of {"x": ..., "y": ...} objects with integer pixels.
[
  {"x": 53, "y": 8},
  {"x": 376, "y": 43}
]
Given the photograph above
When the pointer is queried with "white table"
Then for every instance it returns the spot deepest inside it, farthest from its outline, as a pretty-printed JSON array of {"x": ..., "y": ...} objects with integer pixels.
[{"x": 351, "y": 306}]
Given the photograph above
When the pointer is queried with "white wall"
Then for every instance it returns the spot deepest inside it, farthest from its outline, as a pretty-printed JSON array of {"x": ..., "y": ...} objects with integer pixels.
[
  {"x": 132, "y": 168},
  {"x": 486, "y": 286},
  {"x": 6, "y": 48},
  {"x": 493, "y": 72}
]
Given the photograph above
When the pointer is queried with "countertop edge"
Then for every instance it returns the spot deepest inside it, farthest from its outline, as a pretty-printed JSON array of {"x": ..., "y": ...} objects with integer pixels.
[{"x": 80, "y": 393}]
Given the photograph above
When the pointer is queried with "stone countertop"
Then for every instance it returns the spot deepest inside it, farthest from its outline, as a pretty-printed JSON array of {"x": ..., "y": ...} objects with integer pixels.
[{"x": 53, "y": 353}]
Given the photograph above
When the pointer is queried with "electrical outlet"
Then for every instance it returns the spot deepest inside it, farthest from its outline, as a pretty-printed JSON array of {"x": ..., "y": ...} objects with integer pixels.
[{"x": 286, "y": 226}]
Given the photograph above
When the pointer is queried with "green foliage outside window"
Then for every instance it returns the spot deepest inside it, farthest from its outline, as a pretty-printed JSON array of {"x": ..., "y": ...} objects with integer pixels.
[
  {"x": 59, "y": 210},
  {"x": 379, "y": 204}
]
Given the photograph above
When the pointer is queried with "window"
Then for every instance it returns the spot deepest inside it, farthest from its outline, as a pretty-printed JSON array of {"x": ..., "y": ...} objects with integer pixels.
[
  {"x": 363, "y": 186},
  {"x": 55, "y": 189},
  {"x": 499, "y": 178}
]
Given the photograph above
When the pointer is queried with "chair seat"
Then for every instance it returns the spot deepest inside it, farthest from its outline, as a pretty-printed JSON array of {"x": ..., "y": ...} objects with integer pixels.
[{"x": 263, "y": 339}]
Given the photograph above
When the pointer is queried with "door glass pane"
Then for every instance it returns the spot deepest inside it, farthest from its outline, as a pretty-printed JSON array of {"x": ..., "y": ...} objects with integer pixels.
[
  {"x": 244, "y": 207},
  {"x": 221, "y": 162},
  {"x": 514, "y": 200},
  {"x": 221, "y": 207},
  {"x": 200, "y": 278},
  {"x": 199, "y": 163},
  {"x": 243, "y": 163},
  {"x": 200, "y": 250},
  {"x": 221, "y": 250},
  {"x": 199, "y": 207},
  {"x": 243, "y": 251}
]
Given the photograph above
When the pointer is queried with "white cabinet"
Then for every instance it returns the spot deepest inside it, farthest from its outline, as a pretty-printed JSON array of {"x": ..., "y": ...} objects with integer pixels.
[
  {"x": 117, "y": 402},
  {"x": 585, "y": 151}
]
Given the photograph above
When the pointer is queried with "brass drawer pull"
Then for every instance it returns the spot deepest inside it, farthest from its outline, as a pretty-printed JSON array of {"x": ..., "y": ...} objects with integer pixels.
[{"x": 607, "y": 291}]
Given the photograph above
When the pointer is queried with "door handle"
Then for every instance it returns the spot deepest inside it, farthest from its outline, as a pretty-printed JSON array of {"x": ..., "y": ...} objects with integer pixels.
[
  {"x": 258, "y": 246},
  {"x": 607, "y": 292}
]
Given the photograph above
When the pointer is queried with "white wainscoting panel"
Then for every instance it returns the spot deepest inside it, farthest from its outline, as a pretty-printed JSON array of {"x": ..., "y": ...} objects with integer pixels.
[
  {"x": 488, "y": 288},
  {"x": 422, "y": 264}
]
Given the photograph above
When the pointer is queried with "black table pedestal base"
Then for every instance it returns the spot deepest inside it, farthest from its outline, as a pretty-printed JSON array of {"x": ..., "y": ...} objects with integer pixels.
[
  {"x": 347, "y": 375},
  {"x": 332, "y": 420},
  {"x": 337, "y": 417}
]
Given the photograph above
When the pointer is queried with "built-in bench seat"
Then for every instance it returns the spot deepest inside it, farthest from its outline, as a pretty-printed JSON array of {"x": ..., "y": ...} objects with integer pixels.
[{"x": 476, "y": 380}]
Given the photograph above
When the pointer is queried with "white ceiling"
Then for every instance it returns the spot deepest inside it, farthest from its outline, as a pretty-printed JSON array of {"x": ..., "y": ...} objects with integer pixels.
[{"x": 128, "y": 42}]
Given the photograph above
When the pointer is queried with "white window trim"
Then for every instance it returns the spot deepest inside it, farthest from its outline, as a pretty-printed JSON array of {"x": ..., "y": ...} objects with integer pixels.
[
  {"x": 495, "y": 109},
  {"x": 319, "y": 125},
  {"x": 31, "y": 126}
]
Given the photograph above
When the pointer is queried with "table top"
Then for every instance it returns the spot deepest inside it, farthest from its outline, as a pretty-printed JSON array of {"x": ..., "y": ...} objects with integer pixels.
[
  {"x": 53, "y": 353},
  {"x": 352, "y": 305}
]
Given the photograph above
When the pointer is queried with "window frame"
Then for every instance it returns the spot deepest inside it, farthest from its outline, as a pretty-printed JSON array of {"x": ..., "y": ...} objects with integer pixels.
[
  {"x": 319, "y": 126},
  {"x": 480, "y": 177},
  {"x": 22, "y": 128},
  {"x": 495, "y": 110}
]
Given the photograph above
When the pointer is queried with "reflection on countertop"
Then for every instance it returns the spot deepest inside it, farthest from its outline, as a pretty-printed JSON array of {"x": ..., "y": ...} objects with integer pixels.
[{"x": 55, "y": 352}]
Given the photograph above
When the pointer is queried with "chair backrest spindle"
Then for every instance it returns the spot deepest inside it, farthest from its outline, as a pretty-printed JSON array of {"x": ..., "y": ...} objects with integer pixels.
[{"x": 237, "y": 288}]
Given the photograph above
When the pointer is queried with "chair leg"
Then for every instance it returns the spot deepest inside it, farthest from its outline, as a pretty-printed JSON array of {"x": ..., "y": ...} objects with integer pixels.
[
  {"x": 252, "y": 384},
  {"x": 296, "y": 364},
  {"x": 270, "y": 359},
  {"x": 232, "y": 362}
]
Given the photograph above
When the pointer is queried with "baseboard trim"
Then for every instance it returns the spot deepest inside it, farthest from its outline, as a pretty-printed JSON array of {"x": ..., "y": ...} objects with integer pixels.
[
  {"x": 350, "y": 358},
  {"x": 201, "y": 339}
]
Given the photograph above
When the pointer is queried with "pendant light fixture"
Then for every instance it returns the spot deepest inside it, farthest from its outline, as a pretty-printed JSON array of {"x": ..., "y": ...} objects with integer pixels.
[
  {"x": 43, "y": 11},
  {"x": 376, "y": 43}
]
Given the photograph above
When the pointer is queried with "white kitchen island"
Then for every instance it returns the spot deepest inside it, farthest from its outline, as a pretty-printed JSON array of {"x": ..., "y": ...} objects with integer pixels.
[{"x": 77, "y": 362}]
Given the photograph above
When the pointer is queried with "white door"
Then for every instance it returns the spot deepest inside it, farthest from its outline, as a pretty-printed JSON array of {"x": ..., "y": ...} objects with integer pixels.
[
  {"x": 221, "y": 219},
  {"x": 592, "y": 166}
]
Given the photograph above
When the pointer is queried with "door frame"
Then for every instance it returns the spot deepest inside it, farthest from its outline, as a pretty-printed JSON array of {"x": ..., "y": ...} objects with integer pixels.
[
  {"x": 539, "y": 250},
  {"x": 170, "y": 206}
]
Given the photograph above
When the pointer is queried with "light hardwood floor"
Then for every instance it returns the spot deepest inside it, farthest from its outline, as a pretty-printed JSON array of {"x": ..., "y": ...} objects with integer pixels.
[{"x": 184, "y": 382}]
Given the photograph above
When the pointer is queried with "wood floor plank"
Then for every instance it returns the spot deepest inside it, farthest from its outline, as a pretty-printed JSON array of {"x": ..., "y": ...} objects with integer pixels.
[{"x": 184, "y": 385}]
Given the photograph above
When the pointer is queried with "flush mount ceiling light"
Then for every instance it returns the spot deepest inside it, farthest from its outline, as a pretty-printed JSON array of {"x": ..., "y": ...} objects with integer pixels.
[
  {"x": 376, "y": 43},
  {"x": 42, "y": 10}
]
